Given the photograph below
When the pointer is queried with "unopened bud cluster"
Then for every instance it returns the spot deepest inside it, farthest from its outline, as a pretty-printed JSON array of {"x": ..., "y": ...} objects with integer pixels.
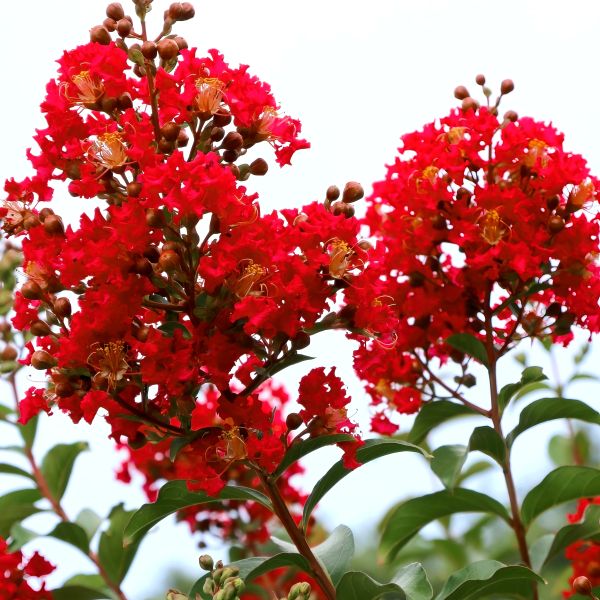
[
  {"x": 468, "y": 102},
  {"x": 222, "y": 582},
  {"x": 340, "y": 203}
]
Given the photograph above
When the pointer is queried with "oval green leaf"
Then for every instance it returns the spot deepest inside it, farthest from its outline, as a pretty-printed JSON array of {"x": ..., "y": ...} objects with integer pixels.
[
  {"x": 12, "y": 470},
  {"x": 356, "y": 585},
  {"x": 470, "y": 345},
  {"x": 57, "y": 466},
  {"x": 487, "y": 440},
  {"x": 16, "y": 506},
  {"x": 447, "y": 463},
  {"x": 559, "y": 486},
  {"x": 73, "y": 534},
  {"x": 77, "y": 592},
  {"x": 413, "y": 580},
  {"x": 433, "y": 414}
]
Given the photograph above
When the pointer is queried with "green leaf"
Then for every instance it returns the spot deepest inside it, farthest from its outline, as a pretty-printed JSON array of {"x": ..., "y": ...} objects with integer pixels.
[
  {"x": 12, "y": 470},
  {"x": 564, "y": 450},
  {"x": 532, "y": 387},
  {"x": 528, "y": 376},
  {"x": 17, "y": 506},
  {"x": 72, "y": 534},
  {"x": 19, "y": 536},
  {"x": 412, "y": 579},
  {"x": 588, "y": 528},
  {"x": 288, "y": 361},
  {"x": 169, "y": 328},
  {"x": 486, "y": 577},
  {"x": 486, "y": 439},
  {"x": 301, "y": 449},
  {"x": 583, "y": 377},
  {"x": 549, "y": 409},
  {"x": 433, "y": 414},
  {"x": 174, "y": 496},
  {"x": 89, "y": 521},
  {"x": 372, "y": 449},
  {"x": 57, "y": 466},
  {"x": 561, "y": 485},
  {"x": 410, "y": 517},
  {"x": 28, "y": 431},
  {"x": 538, "y": 551},
  {"x": 447, "y": 463},
  {"x": 115, "y": 557},
  {"x": 356, "y": 585},
  {"x": 93, "y": 581},
  {"x": 470, "y": 345},
  {"x": 77, "y": 592}
]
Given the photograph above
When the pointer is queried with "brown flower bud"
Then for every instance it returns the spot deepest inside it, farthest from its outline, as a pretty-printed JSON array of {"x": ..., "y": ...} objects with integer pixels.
[
  {"x": 125, "y": 101},
  {"x": 165, "y": 146},
  {"x": 154, "y": 218},
  {"x": 109, "y": 24},
  {"x": 469, "y": 103},
  {"x": 152, "y": 254},
  {"x": 259, "y": 167},
  {"x": 62, "y": 308},
  {"x": 143, "y": 267},
  {"x": 293, "y": 421},
  {"x": 507, "y": 86},
  {"x": 9, "y": 353},
  {"x": 582, "y": 585},
  {"x": 461, "y": 92},
  {"x": 556, "y": 224},
  {"x": 42, "y": 360},
  {"x": 416, "y": 279},
  {"x": 231, "y": 156},
  {"x": 217, "y": 134},
  {"x": 511, "y": 115},
  {"x": 439, "y": 222},
  {"x": 64, "y": 389},
  {"x": 187, "y": 11},
  {"x": 233, "y": 141},
  {"x": 124, "y": 27},
  {"x": 552, "y": 202},
  {"x": 333, "y": 193},
  {"x": 169, "y": 261},
  {"x": 463, "y": 194},
  {"x": 222, "y": 117},
  {"x": 40, "y": 328},
  {"x": 206, "y": 562},
  {"x": 44, "y": 213},
  {"x": 170, "y": 131},
  {"x": 108, "y": 104},
  {"x": 175, "y": 11},
  {"x": 53, "y": 225},
  {"x": 115, "y": 11},
  {"x": 167, "y": 49},
  {"x": 353, "y": 191},
  {"x": 100, "y": 35},
  {"x": 31, "y": 290},
  {"x": 149, "y": 50},
  {"x": 480, "y": 79},
  {"x": 141, "y": 333},
  {"x": 181, "y": 42},
  {"x": 134, "y": 189},
  {"x": 182, "y": 139}
]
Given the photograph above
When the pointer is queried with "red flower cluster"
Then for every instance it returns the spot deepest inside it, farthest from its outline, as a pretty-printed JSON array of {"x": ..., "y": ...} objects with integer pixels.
[
  {"x": 479, "y": 220},
  {"x": 17, "y": 572}
]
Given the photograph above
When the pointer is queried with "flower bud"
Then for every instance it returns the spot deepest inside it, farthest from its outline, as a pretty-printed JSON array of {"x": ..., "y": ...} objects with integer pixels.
[
  {"x": 293, "y": 421},
  {"x": 582, "y": 585},
  {"x": 100, "y": 35},
  {"x": 143, "y": 267},
  {"x": 181, "y": 42},
  {"x": 469, "y": 103},
  {"x": 124, "y": 27},
  {"x": 53, "y": 225},
  {"x": 222, "y": 117},
  {"x": 40, "y": 328},
  {"x": 30, "y": 221},
  {"x": 233, "y": 141},
  {"x": 31, "y": 290},
  {"x": 480, "y": 79},
  {"x": 115, "y": 11},
  {"x": 167, "y": 49},
  {"x": 44, "y": 213},
  {"x": 134, "y": 189},
  {"x": 439, "y": 222},
  {"x": 152, "y": 254},
  {"x": 176, "y": 595},
  {"x": 109, "y": 24},
  {"x": 9, "y": 353},
  {"x": 62, "y": 308},
  {"x": 63, "y": 389},
  {"x": 461, "y": 92},
  {"x": 182, "y": 139},
  {"x": 259, "y": 167},
  {"x": 231, "y": 156},
  {"x": 333, "y": 193},
  {"x": 206, "y": 562},
  {"x": 169, "y": 261},
  {"x": 170, "y": 131},
  {"x": 149, "y": 50},
  {"x": 511, "y": 115},
  {"x": 556, "y": 224},
  {"x": 353, "y": 191},
  {"x": 125, "y": 101},
  {"x": 154, "y": 218},
  {"x": 507, "y": 86},
  {"x": 42, "y": 360}
]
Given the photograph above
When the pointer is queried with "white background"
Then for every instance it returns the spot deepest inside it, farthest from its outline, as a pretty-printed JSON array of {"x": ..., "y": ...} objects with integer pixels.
[{"x": 358, "y": 75}]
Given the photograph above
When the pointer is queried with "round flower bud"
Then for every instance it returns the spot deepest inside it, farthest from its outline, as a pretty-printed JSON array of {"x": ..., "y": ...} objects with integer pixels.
[
  {"x": 170, "y": 131},
  {"x": 480, "y": 79},
  {"x": 30, "y": 221},
  {"x": 108, "y": 104},
  {"x": 53, "y": 225},
  {"x": 187, "y": 11},
  {"x": 507, "y": 86},
  {"x": 175, "y": 11},
  {"x": 40, "y": 328},
  {"x": 582, "y": 585},
  {"x": 100, "y": 35},
  {"x": 333, "y": 193},
  {"x": 149, "y": 50},
  {"x": 416, "y": 279},
  {"x": 125, "y": 101},
  {"x": 143, "y": 267},
  {"x": 124, "y": 27},
  {"x": 44, "y": 213},
  {"x": 230, "y": 156},
  {"x": 134, "y": 189},
  {"x": 169, "y": 261},
  {"x": 461, "y": 92},
  {"x": 353, "y": 191},
  {"x": 42, "y": 360},
  {"x": 9, "y": 353},
  {"x": 511, "y": 115},
  {"x": 217, "y": 134},
  {"x": 293, "y": 421},
  {"x": 469, "y": 103},
  {"x": 165, "y": 146},
  {"x": 31, "y": 290},
  {"x": 259, "y": 167},
  {"x": 152, "y": 254},
  {"x": 222, "y": 117},
  {"x": 439, "y": 222},
  {"x": 233, "y": 141},
  {"x": 115, "y": 11},
  {"x": 62, "y": 308},
  {"x": 154, "y": 218},
  {"x": 556, "y": 224},
  {"x": 167, "y": 49},
  {"x": 182, "y": 139},
  {"x": 181, "y": 43},
  {"x": 63, "y": 389},
  {"x": 109, "y": 24},
  {"x": 206, "y": 562}
]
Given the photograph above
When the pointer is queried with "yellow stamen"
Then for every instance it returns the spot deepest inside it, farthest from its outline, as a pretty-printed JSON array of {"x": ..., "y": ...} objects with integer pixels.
[
  {"x": 108, "y": 151},
  {"x": 210, "y": 95},
  {"x": 493, "y": 228}
]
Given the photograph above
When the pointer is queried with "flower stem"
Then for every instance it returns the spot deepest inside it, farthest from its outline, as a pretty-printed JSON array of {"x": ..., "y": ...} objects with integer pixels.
[{"x": 297, "y": 537}]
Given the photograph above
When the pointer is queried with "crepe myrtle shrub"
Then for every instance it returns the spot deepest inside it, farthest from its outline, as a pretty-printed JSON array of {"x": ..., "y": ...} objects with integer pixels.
[{"x": 169, "y": 310}]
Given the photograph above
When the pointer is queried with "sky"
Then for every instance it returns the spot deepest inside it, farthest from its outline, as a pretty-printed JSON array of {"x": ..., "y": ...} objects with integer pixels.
[{"x": 358, "y": 75}]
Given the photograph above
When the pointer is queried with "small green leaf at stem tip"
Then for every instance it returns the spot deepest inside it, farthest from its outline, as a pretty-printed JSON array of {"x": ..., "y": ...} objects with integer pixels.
[
  {"x": 483, "y": 578},
  {"x": 559, "y": 486},
  {"x": 528, "y": 376},
  {"x": 470, "y": 345}
]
